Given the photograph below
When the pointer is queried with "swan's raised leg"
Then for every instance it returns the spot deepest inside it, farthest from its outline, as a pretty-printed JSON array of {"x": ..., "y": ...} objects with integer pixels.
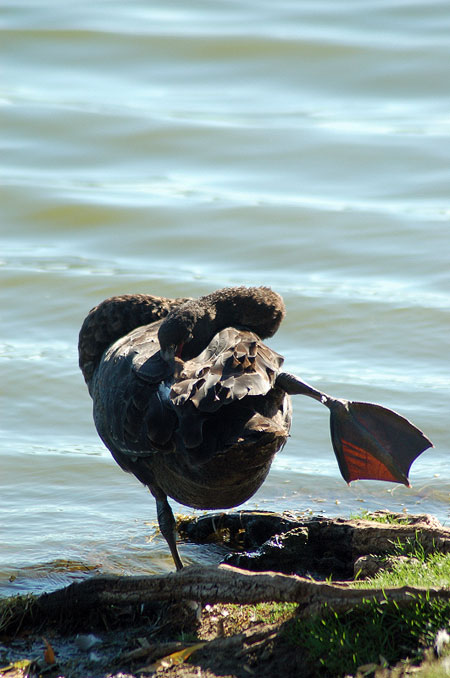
[{"x": 370, "y": 441}]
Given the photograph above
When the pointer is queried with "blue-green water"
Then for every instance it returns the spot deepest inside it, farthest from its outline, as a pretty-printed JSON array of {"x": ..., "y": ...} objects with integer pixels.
[{"x": 180, "y": 147}]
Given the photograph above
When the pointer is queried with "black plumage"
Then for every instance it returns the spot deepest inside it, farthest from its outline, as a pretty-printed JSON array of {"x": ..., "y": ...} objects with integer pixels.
[
  {"x": 189, "y": 399},
  {"x": 202, "y": 428}
]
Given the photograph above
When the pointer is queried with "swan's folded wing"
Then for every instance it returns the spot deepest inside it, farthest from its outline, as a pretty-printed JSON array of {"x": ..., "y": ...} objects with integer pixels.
[
  {"x": 131, "y": 409},
  {"x": 235, "y": 364}
]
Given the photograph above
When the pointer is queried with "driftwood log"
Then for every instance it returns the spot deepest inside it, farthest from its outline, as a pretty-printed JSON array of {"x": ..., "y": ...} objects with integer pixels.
[
  {"x": 223, "y": 584},
  {"x": 320, "y": 540},
  {"x": 318, "y": 547},
  {"x": 212, "y": 584}
]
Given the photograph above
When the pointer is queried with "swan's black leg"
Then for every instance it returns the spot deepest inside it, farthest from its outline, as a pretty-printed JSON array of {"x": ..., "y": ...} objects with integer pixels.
[{"x": 166, "y": 523}]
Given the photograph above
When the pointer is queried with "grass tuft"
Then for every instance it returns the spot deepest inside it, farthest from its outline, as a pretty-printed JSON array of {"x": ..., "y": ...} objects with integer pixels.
[
  {"x": 377, "y": 634},
  {"x": 381, "y": 517},
  {"x": 338, "y": 644},
  {"x": 414, "y": 567}
]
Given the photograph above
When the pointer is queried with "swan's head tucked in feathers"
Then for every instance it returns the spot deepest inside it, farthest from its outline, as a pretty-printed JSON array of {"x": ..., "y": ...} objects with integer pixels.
[
  {"x": 181, "y": 335},
  {"x": 188, "y": 329}
]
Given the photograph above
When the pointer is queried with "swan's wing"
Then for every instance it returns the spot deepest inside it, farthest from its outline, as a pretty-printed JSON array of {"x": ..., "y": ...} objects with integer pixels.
[
  {"x": 235, "y": 364},
  {"x": 136, "y": 412},
  {"x": 209, "y": 394},
  {"x": 132, "y": 414},
  {"x": 112, "y": 320}
]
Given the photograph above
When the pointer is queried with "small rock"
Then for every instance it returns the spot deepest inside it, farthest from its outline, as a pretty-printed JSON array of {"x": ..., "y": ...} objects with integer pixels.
[
  {"x": 442, "y": 639},
  {"x": 86, "y": 641},
  {"x": 369, "y": 566}
]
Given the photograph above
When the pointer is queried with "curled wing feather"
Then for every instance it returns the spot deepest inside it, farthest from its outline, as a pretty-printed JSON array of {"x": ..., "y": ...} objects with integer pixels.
[{"x": 234, "y": 365}]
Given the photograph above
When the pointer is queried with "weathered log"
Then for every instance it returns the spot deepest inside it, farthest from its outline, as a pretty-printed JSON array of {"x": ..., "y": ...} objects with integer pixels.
[
  {"x": 317, "y": 546},
  {"x": 213, "y": 585}
]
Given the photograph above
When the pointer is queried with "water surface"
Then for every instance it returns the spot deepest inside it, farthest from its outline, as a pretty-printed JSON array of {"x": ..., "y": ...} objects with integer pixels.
[{"x": 176, "y": 149}]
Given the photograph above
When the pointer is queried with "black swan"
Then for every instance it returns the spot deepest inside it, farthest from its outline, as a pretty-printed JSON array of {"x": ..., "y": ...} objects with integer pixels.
[{"x": 188, "y": 398}]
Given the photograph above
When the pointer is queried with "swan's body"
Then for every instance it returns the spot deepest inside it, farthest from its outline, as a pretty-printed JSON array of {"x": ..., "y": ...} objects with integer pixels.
[
  {"x": 171, "y": 433},
  {"x": 203, "y": 430},
  {"x": 189, "y": 399}
]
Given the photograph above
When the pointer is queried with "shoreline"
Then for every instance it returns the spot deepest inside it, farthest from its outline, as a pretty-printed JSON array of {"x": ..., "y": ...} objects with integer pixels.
[{"x": 258, "y": 623}]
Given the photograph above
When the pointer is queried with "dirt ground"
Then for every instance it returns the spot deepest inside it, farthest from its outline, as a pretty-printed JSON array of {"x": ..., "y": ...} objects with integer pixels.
[{"x": 226, "y": 642}]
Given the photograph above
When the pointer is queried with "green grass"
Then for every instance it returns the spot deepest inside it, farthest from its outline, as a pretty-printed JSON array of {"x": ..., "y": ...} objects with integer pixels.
[
  {"x": 273, "y": 612},
  {"x": 373, "y": 633},
  {"x": 268, "y": 613},
  {"x": 379, "y": 633},
  {"x": 386, "y": 518},
  {"x": 14, "y": 609},
  {"x": 419, "y": 569}
]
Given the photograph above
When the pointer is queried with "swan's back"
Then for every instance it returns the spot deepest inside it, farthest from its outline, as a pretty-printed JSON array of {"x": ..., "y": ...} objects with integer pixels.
[{"x": 204, "y": 430}]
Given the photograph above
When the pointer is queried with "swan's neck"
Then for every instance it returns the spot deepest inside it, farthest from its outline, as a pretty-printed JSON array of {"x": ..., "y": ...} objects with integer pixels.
[{"x": 188, "y": 329}]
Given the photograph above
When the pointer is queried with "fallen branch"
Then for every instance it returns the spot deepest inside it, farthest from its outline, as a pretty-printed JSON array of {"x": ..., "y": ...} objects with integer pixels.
[{"x": 222, "y": 584}]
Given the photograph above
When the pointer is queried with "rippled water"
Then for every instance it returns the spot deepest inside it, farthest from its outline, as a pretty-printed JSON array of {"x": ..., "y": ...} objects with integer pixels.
[{"x": 182, "y": 147}]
